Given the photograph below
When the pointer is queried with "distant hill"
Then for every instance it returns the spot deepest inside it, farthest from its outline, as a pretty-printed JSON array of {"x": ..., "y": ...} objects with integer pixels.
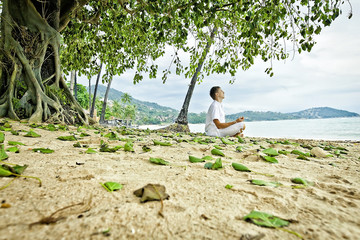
[
  {"x": 147, "y": 112},
  {"x": 153, "y": 113},
  {"x": 312, "y": 113}
]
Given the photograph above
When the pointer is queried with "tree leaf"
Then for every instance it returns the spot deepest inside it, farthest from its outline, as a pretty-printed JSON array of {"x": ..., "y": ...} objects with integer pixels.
[
  {"x": 161, "y": 143},
  {"x": 195, "y": 159},
  {"x": 152, "y": 192},
  {"x": 218, "y": 147},
  {"x": 13, "y": 143},
  {"x": 146, "y": 148},
  {"x": 217, "y": 152},
  {"x": 159, "y": 161},
  {"x": 302, "y": 181},
  {"x": 112, "y": 136},
  {"x": 264, "y": 183},
  {"x": 13, "y": 149},
  {"x": 2, "y": 137},
  {"x": 128, "y": 147},
  {"x": 67, "y": 138},
  {"x": 32, "y": 134},
  {"x": 228, "y": 186},
  {"x": 271, "y": 152},
  {"x": 238, "y": 149},
  {"x": 240, "y": 167},
  {"x": 227, "y": 141},
  {"x": 208, "y": 165},
  {"x": 112, "y": 186},
  {"x": 3, "y": 154},
  {"x": 207, "y": 158},
  {"x": 265, "y": 220},
  {"x": 43, "y": 150},
  {"x": 217, "y": 164},
  {"x": 269, "y": 159},
  {"x": 90, "y": 151}
]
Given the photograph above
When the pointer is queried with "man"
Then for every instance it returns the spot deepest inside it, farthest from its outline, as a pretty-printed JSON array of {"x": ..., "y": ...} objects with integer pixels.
[{"x": 215, "y": 118}]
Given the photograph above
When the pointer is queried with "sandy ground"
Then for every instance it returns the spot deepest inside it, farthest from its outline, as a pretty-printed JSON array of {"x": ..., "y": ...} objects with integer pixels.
[{"x": 199, "y": 207}]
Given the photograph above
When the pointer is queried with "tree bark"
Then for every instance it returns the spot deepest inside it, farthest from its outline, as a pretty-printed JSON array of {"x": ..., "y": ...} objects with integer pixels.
[
  {"x": 31, "y": 83},
  {"x": 103, "y": 110},
  {"x": 182, "y": 117},
  {"x": 72, "y": 81},
  {"x": 95, "y": 92},
  {"x": 89, "y": 93}
]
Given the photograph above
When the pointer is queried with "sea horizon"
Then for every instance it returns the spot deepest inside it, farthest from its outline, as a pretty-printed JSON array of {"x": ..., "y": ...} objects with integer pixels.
[{"x": 319, "y": 129}]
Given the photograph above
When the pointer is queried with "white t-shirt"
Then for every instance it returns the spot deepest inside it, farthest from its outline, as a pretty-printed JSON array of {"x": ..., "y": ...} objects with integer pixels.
[{"x": 215, "y": 111}]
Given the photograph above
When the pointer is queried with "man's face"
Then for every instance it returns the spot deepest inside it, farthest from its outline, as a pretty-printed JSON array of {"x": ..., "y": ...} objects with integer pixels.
[{"x": 220, "y": 93}]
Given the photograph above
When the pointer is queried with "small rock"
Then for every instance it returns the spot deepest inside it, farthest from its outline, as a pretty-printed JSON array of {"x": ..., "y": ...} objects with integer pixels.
[
  {"x": 318, "y": 152},
  {"x": 5, "y": 205}
]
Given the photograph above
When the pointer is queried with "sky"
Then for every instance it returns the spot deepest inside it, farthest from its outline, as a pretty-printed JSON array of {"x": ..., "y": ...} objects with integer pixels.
[{"x": 328, "y": 76}]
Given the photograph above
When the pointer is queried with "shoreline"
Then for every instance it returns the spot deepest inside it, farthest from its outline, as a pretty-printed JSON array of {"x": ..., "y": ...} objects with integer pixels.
[{"x": 199, "y": 207}]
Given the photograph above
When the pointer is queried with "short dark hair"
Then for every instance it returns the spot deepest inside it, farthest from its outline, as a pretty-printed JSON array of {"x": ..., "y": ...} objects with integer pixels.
[{"x": 213, "y": 90}]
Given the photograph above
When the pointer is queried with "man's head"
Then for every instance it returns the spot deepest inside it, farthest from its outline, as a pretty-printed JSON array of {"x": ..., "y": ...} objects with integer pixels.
[{"x": 216, "y": 93}]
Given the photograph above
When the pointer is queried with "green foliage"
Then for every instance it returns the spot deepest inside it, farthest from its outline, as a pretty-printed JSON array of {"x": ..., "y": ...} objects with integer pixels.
[
  {"x": 246, "y": 31},
  {"x": 265, "y": 220},
  {"x": 43, "y": 150},
  {"x": 159, "y": 161},
  {"x": 112, "y": 186},
  {"x": 195, "y": 159}
]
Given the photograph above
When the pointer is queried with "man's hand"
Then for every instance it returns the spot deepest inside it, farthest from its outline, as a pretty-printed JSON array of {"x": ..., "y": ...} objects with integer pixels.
[{"x": 240, "y": 119}]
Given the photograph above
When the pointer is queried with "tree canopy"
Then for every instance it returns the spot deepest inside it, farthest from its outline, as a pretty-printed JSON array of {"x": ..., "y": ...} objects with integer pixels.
[
  {"x": 133, "y": 34},
  {"x": 127, "y": 34}
]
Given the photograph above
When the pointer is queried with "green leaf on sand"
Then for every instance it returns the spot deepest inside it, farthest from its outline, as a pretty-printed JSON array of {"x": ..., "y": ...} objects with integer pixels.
[
  {"x": 90, "y": 151},
  {"x": 67, "y": 138},
  {"x": 3, "y": 154},
  {"x": 227, "y": 141},
  {"x": 302, "y": 181},
  {"x": 271, "y": 152},
  {"x": 13, "y": 149},
  {"x": 265, "y": 220},
  {"x": 112, "y": 186},
  {"x": 159, "y": 161},
  {"x": 206, "y": 158},
  {"x": 2, "y": 137},
  {"x": 240, "y": 167},
  {"x": 217, "y": 152},
  {"x": 264, "y": 183},
  {"x": 243, "y": 168},
  {"x": 32, "y": 134},
  {"x": 13, "y": 143},
  {"x": 214, "y": 166},
  {"x": 128, "y": 147},
  {"x": 161, "y": 143},
  {"x": 228, "y": 186},
  {"x": 269, "y": 159},
  {"x": 43, "y": 150},
  {"x": 195, "y": 159},
  {"x": 218, "y": 147}
]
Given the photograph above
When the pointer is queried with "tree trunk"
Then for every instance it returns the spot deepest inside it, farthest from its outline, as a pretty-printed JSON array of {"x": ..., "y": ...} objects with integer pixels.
[
  {"x": 103, "y": 110},
  {"x": 89, "y": 93},
  {"x": 31, "y": 83},
  {"x": 72, "y": 81},
  {"x": 95, "y": 92},
  {"x": 182, "y": 117},
  {"x": 75, "y": 87}
]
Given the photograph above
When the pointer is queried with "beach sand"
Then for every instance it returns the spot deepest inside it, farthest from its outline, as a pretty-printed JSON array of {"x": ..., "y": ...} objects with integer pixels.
[{"x": 199, "y": 206}]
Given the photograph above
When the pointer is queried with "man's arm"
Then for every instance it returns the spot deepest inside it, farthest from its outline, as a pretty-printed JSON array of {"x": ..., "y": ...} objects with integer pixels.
[{"x": 220, "y": 125}]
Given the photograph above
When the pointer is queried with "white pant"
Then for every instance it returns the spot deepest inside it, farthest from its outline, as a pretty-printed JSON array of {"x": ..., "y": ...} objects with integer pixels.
[{"x": 229, "y": 131}]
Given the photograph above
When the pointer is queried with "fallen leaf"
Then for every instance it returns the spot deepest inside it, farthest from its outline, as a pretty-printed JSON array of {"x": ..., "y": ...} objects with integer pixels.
[{"x": 152, "y": 192}]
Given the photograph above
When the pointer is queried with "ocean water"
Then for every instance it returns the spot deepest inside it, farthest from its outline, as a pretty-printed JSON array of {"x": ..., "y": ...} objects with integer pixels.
[{"x": 324, "y": 129}]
